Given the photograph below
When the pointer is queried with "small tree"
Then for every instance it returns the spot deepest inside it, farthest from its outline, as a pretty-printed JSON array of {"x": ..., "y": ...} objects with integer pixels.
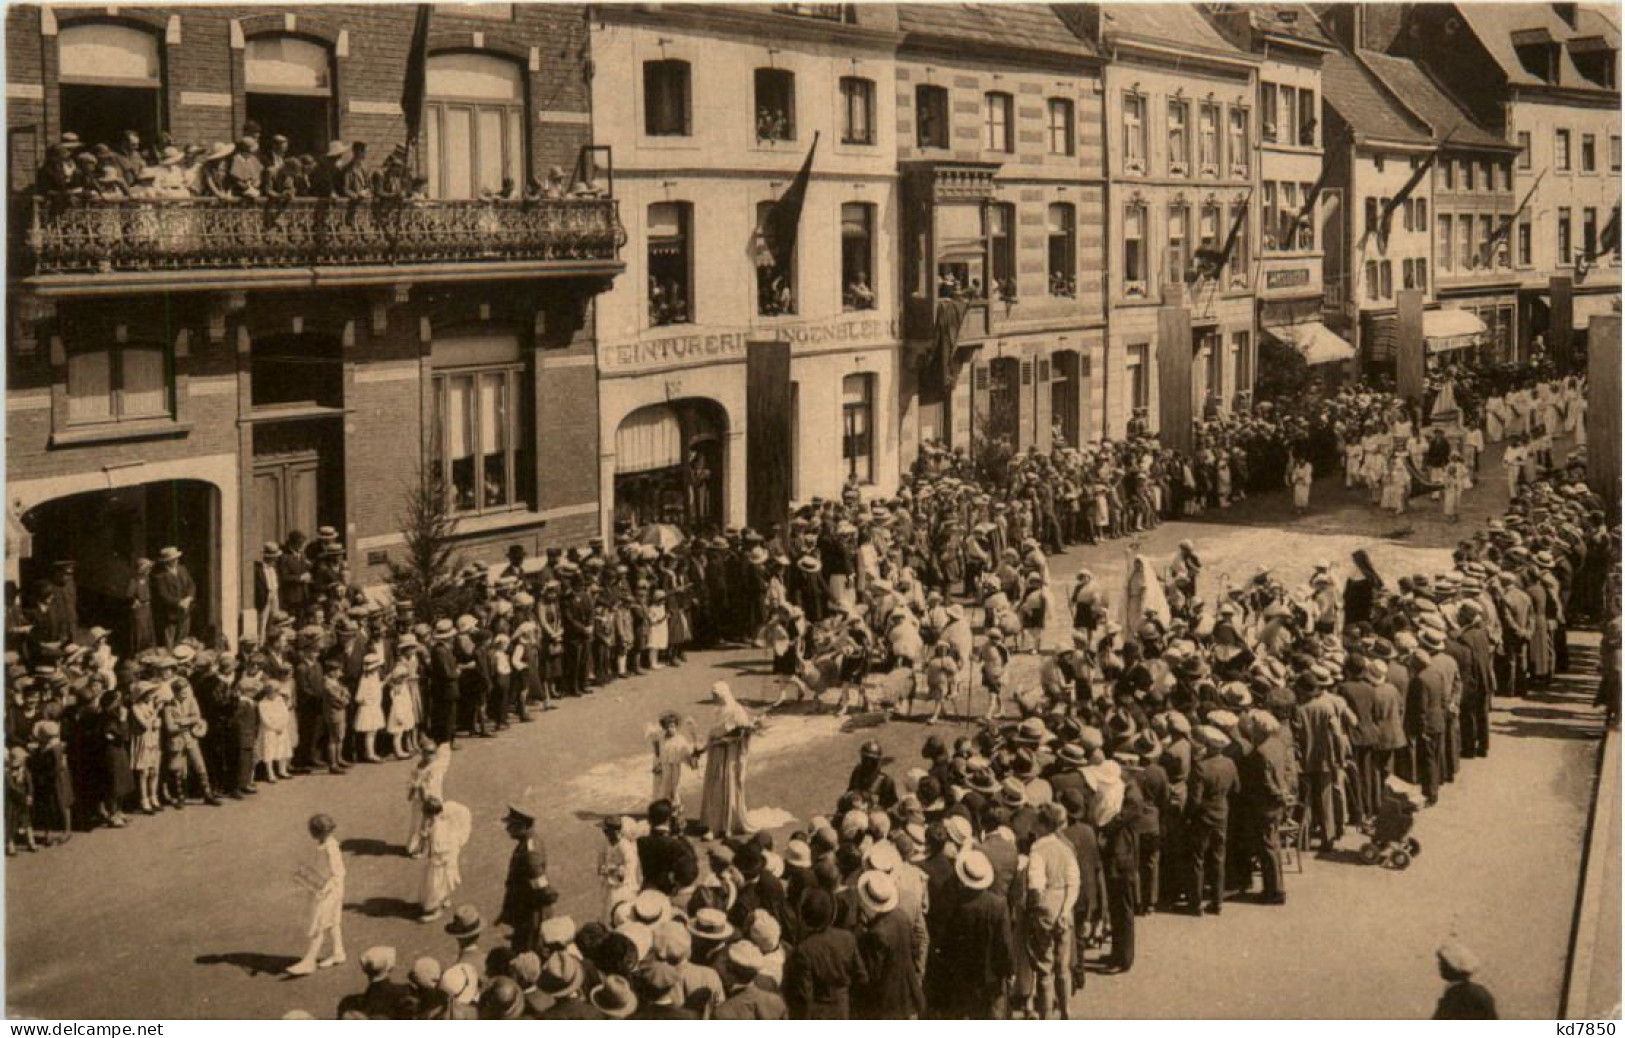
[{"x": 427, "y": 578}]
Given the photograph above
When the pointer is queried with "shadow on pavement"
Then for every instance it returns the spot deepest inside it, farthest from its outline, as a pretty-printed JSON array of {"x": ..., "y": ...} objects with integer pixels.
[
  {"x": 368, "y": 848},
  {"x": 251, "y": 963},
  {"x": 386, "y": 908}
]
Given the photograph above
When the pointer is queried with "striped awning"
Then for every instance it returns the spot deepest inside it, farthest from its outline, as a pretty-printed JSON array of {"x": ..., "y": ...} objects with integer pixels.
[
  {"x": 1446, "y": 330},
  {"x": 1317, "y": 343}
]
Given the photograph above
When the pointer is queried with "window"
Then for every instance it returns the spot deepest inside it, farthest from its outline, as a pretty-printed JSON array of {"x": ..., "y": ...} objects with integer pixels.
[
  {"x": 1373, "y": 281},
  {"x": 1207, "y": 234},
  {"x": 666, "y": 104},
  {"x": 857, "y": 110},
  {"x": 857, "y": 427},
  {"x": 775, "y": 105},
  {"x": 1241, "y": 256},
  {"x": 1421, "y": 217},
  {"x": 1139, "y": 375},
  {"x": 1269, "y": 111},
  {"x": 1179, "y": 242},
  {"x": 1526, "y": 243},
  {"x": 1308, "y": 119},
  {"x": 857, "y": 256},
  {"x": 1386, "y": 270},
  {"x": 1486, "y": 232},
  {"x": 1503, "y": 248},
  {"x": 1286, "y": 130},
  {"x": 474, "y": 123},
  {"x": 478, "y": 454},
  {"x": 1306, "y": 228},
  {"x": 1213, "y": 347},
  {"x": 1565, "y": 243},
  {"x": 1179, "y": 137},
  {"x": 1289, "y": 211},
  {"x": 1469, "y": 176},
  {"x": 1207, "y": 138},
  {"x": 1422, "y": 274},
  {"x": 288, "y": 88},
  {"x": 1560, "y": 157},
  {"x": 1506, "y": 175},
  {"x": 775, "y": 282},
  {"x": 1414, "y": 273},
  {"x": 1134, "y": 130},
  {"x": 1241, "y": 349},
  {"x": 1588, "y": 233},
  {"x": 1469, "y": 258},
  {"x": 1060, "y": 127},
  {"x": 1408, "y": 273},
  {"x": 1613, "y": 153},
  {"x": 998, "y": 122},
  {"x": 1588, "y": 153},
  {"x": 1373, "y": 215},
  {"x": 1526, "y": 159},
  {"x": 931, "y": 116},
  {"x": 1444, "y": 244},
  {"x": 1135, "y": 272},
  {"x": 1063, "y": 264},
  {"x": 1001, "y": 243},
  {"x": 1449, "y": 168},
  {"x": 118, "y": 384},
  {"x": 1240, "y": 144},
  {"x": 111, "y": 79},
  {"x": 671, "y": 263},
  {"x": 1272, "y": 215},
  {"x": 1486, "y": 174}
]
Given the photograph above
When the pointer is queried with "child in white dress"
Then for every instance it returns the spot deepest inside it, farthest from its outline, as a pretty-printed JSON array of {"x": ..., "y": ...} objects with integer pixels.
[{"x": 369, "y": 706}]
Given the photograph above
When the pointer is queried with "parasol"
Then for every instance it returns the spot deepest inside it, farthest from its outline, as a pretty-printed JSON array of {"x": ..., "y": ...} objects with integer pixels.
[{"x": 662, "y": 535}]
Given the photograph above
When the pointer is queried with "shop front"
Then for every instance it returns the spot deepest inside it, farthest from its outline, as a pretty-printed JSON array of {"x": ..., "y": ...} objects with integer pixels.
[{"x": 671, "y": 465}]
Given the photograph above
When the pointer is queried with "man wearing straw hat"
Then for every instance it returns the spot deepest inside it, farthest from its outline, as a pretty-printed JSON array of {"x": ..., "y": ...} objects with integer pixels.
[{"x": 172, "y": 593}]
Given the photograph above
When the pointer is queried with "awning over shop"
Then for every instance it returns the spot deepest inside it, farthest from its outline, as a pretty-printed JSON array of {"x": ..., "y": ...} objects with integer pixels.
[
  {"x": 650, "y": 438},
  {"x": 1447, "y": 330},
  {"x": 1587, "y": 307},
  {"x": 1318, "y": 343}
]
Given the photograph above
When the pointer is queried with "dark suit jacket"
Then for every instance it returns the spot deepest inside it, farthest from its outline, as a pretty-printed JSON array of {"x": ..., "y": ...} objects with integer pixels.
[
  {"x": 892, "y": 990},
  {"x": 169, "y": 588},
  {"x": 1465, "y": 1000},
  {"x": 1213, "y": 785},
  {"x": 658, "y": 855}
]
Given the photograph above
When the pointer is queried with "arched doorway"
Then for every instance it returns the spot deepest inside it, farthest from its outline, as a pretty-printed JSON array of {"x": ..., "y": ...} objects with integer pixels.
[
  {"x": 670, "y": 466},
  {"x": 104, "y": 532}
]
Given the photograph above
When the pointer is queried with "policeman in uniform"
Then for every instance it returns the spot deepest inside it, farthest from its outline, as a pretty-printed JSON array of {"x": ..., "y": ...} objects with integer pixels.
[{"x": 527, "y": 895}]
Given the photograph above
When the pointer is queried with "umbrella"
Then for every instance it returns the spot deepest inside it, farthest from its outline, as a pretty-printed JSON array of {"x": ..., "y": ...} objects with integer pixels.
[{"x": 662, "y": 535}]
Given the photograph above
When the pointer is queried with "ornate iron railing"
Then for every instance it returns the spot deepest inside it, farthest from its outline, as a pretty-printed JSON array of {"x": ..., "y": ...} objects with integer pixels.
[{"x": 183, "y": 234}]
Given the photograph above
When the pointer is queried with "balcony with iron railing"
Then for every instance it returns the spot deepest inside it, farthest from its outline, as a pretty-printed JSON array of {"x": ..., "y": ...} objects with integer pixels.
[{"x": 215, "y": 241}]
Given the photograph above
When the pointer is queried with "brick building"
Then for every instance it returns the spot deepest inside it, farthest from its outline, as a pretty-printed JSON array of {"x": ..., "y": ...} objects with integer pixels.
[
  {"x": 1002, "y": 160},
  {"x": 712, "y": 111},
  {"x": 213, "y": 374},
  {"x": 1183, "y": 168}
]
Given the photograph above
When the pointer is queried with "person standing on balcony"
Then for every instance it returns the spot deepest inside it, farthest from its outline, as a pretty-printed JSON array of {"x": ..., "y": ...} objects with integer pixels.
[
  {"x": 244, "y": 171},
  {"x": 172, "y": 592},
  {"x": 130, "y": 159},
  {"x": 393, "y": 181},
  {"x": 356, "y": 185},
  {"x": 328, "y": 178},
  {"x": 272, "y": 159}
]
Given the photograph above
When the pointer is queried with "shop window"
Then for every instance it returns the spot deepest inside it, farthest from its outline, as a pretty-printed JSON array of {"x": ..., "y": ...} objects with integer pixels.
[
  {"x": 474, "y": 126},
  {"x": 289, "y": 91},
  {"x": 478, "y": 457},
  {"x": 1588, "y": 153},
  {"x": 1179, "y": 137},
  {"x": 1001, "y": 243},
  {"x": 1525, "y": 159},
  {"x": 666, "y": 99},
  {"x": 857, "y": 256},
  {"x": 857, "y": 427},
  {"x": 119, "y": 384},
  {"x": 111, "y": 80},
  {"x": 1063, "y": 264},
  {"x": 931, "y": 116},
  {"x": 857, "y": 110},
  {"x": 671, "y": 263},
  {"x": 775, "y": 104},
  {"x": 1207, "y": 139},
  {"x": 998, "y": 122},
  {"x": 1134, "y": 132},
  {"x": 1561, "y": 160},
  {"x": 775, "y": 281},
  {"x": 1136, "y": 272},
  {"x": 1061, "y": 122}
]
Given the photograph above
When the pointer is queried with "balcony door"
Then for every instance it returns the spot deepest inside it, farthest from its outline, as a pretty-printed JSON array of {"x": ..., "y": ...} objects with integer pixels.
[
  {"x": 287, "y": 490},
  {"x": 111, "y": 80},
  {"x": 474, "y": 125}
]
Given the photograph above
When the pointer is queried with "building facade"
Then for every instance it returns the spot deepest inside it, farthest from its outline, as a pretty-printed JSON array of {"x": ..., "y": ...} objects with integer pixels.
[
  {"x": 1544, "y": 79},
  {"x": 1298, "y": 216},
  {"x": 1001, "y": 162},
  {"x": 1376, "y": 148},
  {"x": 1183, "y": 167},
  {"x": 212, "y": 374},
  {"x": 699, "y": 171}
]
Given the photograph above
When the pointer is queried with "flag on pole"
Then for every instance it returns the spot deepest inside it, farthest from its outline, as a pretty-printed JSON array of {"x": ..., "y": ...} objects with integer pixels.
[
  {"x": 1211, "y": 262},
  {"x": 1505, "y": 229},
  {"x": 1308, "y": 210},
  {"x": 1606, "y": 242},
  {"x": 417, "y": 75},
  {"x": 1387, "y": 219},
  {"x": 784, "y": 219}
]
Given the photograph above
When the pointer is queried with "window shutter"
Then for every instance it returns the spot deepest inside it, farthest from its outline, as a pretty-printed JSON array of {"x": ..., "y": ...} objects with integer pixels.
[
  {"x": 1043, "y": 369},
  {"x": 1026, "y": 372},
  {"x": 980, "y": 378}
]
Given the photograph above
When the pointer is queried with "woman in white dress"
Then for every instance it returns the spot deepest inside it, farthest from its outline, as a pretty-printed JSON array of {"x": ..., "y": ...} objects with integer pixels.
[
  {"x": 273, "y": 733},
  {"x": 446, "y": 828},
  {"x": 659, "y": 630},
  {"x": 1574, "y": 417},
  {"x": 428, "y": 782},
  {"x": 323, "y": 880},
  {"x": 369, "y": 706},
  {"x": 402, "y": 722},
  {"x": 1495, "y": 419}
]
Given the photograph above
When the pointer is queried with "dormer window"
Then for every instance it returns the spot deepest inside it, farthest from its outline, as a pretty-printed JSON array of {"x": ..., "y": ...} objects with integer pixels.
[
  {"x": 1596, "y": 61},
  {"x": 1538, "y": 53}
]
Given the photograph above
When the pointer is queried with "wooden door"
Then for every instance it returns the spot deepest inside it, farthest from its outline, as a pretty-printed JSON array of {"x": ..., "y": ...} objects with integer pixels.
[{"x": 287, "y": 491}]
